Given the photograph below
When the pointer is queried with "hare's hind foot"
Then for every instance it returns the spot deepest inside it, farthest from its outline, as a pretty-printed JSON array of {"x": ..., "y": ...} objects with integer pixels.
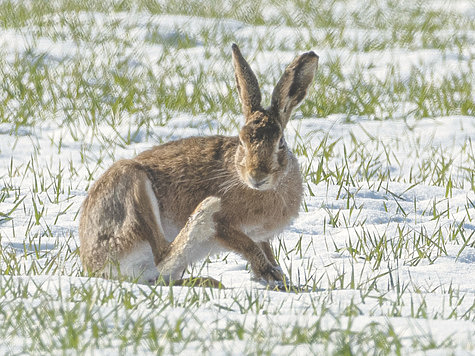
[
  {"x": 195, "y": 241},
  {"x": 198, "y": 282},
  {"x": 201, "y": 282}
]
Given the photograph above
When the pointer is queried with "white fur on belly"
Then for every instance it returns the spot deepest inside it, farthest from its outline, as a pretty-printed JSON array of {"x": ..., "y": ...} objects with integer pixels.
[
  {"x": 259, "y": 234},
  {"x": 137, "y": 264}
]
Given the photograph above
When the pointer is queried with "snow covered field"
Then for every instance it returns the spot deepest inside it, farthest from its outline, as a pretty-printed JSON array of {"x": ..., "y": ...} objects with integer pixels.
[{"x": 385, "y": 239}]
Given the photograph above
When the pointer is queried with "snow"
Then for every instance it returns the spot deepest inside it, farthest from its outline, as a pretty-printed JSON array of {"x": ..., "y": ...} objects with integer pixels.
[
  {"x": 427, "y": 283},
  {"x": 420, "y": 290}
]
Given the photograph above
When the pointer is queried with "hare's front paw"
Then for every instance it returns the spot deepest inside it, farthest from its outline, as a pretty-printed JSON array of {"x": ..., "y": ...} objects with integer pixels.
[{"x": 272, "y": 276}]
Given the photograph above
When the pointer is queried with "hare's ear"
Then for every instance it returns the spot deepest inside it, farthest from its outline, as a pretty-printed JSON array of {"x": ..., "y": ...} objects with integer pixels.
[
  {"x": 246, "y": 82},
  {"x": 292, "y": 86}
]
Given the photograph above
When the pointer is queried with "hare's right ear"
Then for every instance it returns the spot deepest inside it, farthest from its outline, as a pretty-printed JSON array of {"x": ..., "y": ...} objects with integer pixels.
[
  {"x": 246, "y": 82},
  {"x": 292, "y": 86}
]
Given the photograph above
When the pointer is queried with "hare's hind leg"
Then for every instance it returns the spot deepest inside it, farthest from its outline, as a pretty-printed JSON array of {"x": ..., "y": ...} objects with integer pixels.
[
  {"x": 195, "y": 241},
  {"x": 120, "y": 229},
  {"x": 140, "y": 262},
  {"x": 136, "y": 264}
]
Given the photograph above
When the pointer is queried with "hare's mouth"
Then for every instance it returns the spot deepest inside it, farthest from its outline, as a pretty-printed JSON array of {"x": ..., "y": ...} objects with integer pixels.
[{"x": 265, "y": 183}]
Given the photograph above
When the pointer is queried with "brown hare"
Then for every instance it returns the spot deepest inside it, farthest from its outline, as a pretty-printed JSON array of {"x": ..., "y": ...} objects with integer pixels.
[{"x": 149, "y": 217}]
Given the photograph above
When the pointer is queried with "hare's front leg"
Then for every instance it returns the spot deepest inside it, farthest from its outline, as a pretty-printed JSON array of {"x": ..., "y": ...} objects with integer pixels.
[
  {"x": 263, "y": 267},
  {"x": 267, "y": 248}
]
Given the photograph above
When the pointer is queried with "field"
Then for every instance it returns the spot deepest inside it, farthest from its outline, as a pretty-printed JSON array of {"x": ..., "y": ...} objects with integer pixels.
[{"x": 385, "y": 240}]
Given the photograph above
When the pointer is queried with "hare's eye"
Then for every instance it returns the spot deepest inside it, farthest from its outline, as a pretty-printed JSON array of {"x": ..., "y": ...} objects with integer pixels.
[{"x": 282, "y": 143}]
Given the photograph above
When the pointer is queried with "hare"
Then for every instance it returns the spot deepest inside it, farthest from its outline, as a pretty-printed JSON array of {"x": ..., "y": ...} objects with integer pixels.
[{"x": 149, "y": 217}]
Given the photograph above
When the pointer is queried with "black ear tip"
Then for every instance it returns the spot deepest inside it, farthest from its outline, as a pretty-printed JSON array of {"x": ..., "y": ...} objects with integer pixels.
[
  {"x": 235, "y": 47},
  {"x": 312, "y": 54}
]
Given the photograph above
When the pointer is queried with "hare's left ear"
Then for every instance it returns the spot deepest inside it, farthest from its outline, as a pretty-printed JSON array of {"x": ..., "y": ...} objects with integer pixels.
[
  {"x": 246, "y": 82},
  {"x": 292, "y": 86}
]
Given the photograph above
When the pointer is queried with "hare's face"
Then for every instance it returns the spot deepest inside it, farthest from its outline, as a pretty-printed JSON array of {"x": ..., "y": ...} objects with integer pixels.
[{"x": 262, "y": 156}]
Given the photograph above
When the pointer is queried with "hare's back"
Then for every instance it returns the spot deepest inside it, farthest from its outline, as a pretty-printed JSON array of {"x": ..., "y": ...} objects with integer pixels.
[
  {"x": 196, "y": 152},
  {"x": 185, "y": 172}
]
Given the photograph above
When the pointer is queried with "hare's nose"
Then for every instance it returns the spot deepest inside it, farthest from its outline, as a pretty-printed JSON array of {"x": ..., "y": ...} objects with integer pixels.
[
  {"x": 256, "y": 183},
  {"x": 257, "y": 180}
]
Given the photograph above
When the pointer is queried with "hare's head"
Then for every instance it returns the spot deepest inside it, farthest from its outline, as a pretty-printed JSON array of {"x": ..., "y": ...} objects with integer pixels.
[{"x": 262, "y": 156}]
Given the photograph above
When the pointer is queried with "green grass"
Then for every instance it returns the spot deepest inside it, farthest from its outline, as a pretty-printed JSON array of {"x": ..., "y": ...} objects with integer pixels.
[
  {"x": 111, "y": 76},
  {"x": 106, "y": 85}
]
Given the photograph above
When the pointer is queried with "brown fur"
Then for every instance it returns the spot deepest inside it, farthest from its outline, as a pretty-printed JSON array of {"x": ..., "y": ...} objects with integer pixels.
[
  {"x": 255, "y": 176},
  {"x": 116, "y": 212}
]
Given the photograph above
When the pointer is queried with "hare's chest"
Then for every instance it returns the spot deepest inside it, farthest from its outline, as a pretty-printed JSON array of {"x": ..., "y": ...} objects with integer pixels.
[
  {"x": 262, "y": 215},
  {"x": 265, "y": 223},
  {"x": 261, "y": 233}
]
